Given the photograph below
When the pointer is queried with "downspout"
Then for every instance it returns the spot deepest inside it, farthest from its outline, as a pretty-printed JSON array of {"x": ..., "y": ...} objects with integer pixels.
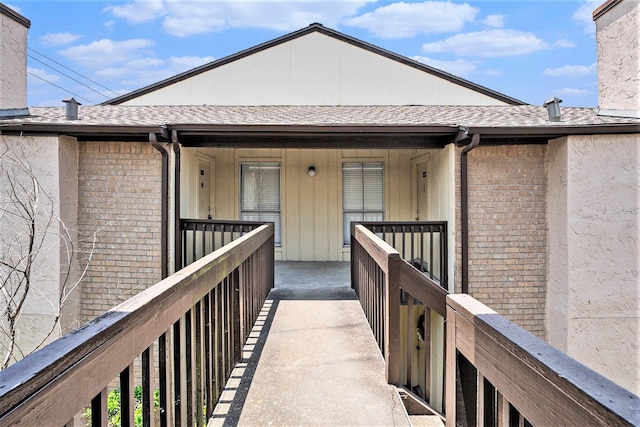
[
  {"x": 176, "y": 202},
  {"x": 164, "y": 202},
  {"x": 464, "y": 210}
]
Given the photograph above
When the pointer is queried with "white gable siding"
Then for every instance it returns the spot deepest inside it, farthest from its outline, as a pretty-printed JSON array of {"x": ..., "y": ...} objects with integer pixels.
[{"x": 314, "y": 69}]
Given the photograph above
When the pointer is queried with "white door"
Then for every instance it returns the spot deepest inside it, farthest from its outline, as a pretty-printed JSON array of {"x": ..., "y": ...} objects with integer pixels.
[
  {"x": 204, "y": 189},
  {"x": 421, "y": 208}
]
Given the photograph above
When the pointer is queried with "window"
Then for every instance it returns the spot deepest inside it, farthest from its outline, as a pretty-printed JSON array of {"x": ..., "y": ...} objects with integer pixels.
[
  {"x": 260, "y": 194},
  {"x": 363, "y": 194}
]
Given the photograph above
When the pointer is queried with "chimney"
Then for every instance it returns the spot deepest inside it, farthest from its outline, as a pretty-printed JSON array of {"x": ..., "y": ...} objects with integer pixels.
[
  {"x": 553, "y": 109},
  {"x": 618, "y": 49},
  {"x": 71, "y": 108},
  {"x": 13, "y": 63}
]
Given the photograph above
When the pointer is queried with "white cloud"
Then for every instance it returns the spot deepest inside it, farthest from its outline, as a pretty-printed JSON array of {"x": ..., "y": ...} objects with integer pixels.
[
  {"x": 144, "y": 71},
  {"x": 458, "y": 67},
  {"x": 403, "y": 20},
  {"x": 58, "y": 39},
  {"x": 490, "y": 43},
  {"x": 41, "y": 75},
  {"x": 584, "y": 15},
  {"x": 571, "y": 70},
  {"x": 181, "y": 18},
  {"x": 492, "y": 72},
  {"x": 184, "y": 63},
  {"x": 106, "y": 52},
  {"x": 494, "y": 21},
  {"x": 564, "y": 43},
  {"x": 573, "y": 92},
  {"x": 139, "y": 11}
]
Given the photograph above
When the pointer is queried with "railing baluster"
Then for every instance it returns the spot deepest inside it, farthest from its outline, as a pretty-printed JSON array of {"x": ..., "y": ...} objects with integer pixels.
[
  {"x": 431, "y": 263},
  {"x": 163, "y": 379},
  {"x": 198, "y": 386},
  {"x": 177, "y": 374},
  {"x": 409, "y": 344},
  {"x": 209, "y": 381},
  {"x": 127, "y": 403},
  {"x": 189, "y": 368},
  {"x": 489, "y": 408},
  {"x": 99, "y": 409},
  {"x": 147, "y": 388},
  {"x": 426, "y": 327}
]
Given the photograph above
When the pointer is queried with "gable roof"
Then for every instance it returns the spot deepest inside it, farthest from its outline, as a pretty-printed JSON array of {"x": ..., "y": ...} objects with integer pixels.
[{"x": 316, "y": 28}]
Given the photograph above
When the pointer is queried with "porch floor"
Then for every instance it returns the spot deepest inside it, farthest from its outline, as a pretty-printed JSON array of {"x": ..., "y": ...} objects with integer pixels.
[{"x": 311, "y": 359}]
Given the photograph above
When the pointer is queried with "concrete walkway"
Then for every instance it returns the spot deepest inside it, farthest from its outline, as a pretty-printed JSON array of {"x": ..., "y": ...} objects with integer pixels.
[{"x": 312, "y": 361}]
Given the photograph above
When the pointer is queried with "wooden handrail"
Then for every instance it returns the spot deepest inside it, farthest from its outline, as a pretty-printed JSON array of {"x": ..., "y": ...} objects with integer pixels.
[
  {"x": 422, "y": 243},
  {"x": 545, "y": 386},
  {"x": 500, "y": 370},
  {"x": 52, "y": 385},
  {"x": 378, "y": 276}
]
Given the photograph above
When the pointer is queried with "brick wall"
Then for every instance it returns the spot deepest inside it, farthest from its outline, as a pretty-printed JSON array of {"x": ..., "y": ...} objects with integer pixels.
[
  {"x": 508, "y": 232},
  {"x": 119, "y": 197}
]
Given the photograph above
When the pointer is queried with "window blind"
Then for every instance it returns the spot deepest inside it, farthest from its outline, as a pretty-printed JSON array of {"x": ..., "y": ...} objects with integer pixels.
[
  {"x": 363, "y": 194},
  {"x": 260, "y": 194}
]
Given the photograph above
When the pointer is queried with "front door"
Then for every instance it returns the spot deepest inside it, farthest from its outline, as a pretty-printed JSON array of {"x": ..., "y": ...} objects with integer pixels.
[
  {"x": 204, "y": 189},
  {"x": 422, "y": 203}
]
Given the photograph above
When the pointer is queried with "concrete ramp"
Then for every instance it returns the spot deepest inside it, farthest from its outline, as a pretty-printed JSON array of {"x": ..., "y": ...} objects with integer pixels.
[{"x": 314, "y": 362}]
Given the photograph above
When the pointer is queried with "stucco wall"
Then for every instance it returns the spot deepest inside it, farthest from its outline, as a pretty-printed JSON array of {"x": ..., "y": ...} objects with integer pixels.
[
  {"x": 119, "y": 201},
  {"x": 51, "y": 162},
  {"x": 618, "y": 49},
  {"x": 314, "y": 70},
  {"x": 594, "y": 270},
  {"x": 558, "y": 279},
  {"x": 311, "y": 206},
  {"x": 13, "y": 51},
  {"x": 69, "y": 262},
  {"x": 508, "y": 232}
]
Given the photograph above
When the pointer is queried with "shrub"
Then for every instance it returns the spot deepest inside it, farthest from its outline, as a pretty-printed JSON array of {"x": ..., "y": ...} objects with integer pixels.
[{"x": 113, "y": 407}]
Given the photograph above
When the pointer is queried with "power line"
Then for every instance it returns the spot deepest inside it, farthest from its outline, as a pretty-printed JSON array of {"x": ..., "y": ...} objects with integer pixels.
[
  {"x": 73, "y": 71},
  {"x": 68, "y": 76},
  {"x": 60, "y": 87}
]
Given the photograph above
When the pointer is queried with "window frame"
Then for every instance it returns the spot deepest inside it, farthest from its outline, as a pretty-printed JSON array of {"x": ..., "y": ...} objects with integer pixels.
[
  {"x": 363, "y": 212},
  {"x": 262, "y": 211}
]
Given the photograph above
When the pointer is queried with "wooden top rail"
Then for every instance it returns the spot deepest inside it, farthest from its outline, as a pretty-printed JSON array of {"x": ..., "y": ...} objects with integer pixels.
[
  {"x": 377, "y": 248},
  {"x": 423, "y": 289},
  {"x": 544, "y": 384},
  {"x": 422, "y": 225},
  {"x": 219, "y": 225},
  {"x": 56, "y": 382}
]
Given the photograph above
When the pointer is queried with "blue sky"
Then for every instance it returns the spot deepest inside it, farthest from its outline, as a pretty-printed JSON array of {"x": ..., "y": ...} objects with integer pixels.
[{"x": 530, "y": 50}]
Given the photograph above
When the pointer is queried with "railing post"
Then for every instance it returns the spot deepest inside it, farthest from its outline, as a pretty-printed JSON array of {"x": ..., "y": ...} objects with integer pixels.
[
  {"x": 450, "y": 368},
  {"x": 392, "y": 324}
]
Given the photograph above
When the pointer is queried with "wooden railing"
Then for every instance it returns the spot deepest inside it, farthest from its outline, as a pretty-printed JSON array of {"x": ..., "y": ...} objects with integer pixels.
[
  {"x": 508, "y": 377},
  {"x": 422, "y": 244},
  {"x": 496, "y": 373},
  {"x": 200, "y": 237},
  {"x": 182, "y": 337},
  {"x": 406, "y": 310}
]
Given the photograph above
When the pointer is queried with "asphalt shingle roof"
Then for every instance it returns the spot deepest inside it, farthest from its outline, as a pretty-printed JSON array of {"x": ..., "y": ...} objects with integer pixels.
[{"x": 516, "y": 116}]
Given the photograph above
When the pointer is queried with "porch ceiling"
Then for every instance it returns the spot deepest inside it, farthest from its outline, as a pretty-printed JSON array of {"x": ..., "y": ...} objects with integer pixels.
[{"x": 318, "y": 137}]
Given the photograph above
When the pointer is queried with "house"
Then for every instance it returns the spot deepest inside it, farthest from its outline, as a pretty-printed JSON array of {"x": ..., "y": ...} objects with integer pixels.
[{"x": 316, "y": 129}]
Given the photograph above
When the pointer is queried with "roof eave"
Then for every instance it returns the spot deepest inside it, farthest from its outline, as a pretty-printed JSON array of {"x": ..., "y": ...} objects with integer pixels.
[{"x": 518, "y": 135}]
